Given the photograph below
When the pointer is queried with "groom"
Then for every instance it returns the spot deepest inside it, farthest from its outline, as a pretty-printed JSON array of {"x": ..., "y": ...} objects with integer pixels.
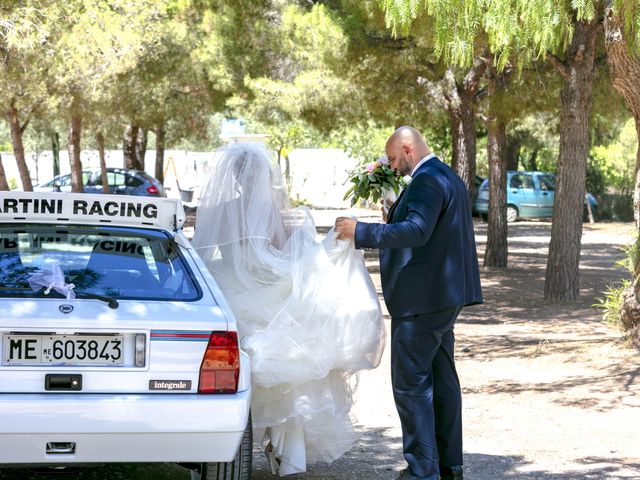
[{"x": 429, "y": 271}]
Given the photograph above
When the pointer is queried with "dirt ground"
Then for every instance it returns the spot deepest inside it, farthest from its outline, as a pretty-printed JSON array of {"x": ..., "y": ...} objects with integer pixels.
[{"x": 550, "y": 392}]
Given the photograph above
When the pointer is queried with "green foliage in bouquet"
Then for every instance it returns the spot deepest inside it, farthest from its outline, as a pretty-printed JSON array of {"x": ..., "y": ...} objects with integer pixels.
[{"x": 372, "y": 180}]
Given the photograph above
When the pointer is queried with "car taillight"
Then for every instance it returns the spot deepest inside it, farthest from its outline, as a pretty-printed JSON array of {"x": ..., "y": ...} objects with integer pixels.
[
  {"x": 153, "y": 190},
  {"x": 220, "y": 367}
]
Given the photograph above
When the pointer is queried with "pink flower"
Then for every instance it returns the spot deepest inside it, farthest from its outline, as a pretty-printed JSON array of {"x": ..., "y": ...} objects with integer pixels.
[{"x": 370, "y": 167}]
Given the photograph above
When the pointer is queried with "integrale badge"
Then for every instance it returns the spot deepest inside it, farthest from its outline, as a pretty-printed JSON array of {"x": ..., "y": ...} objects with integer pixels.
[{"x": 169, "y": 384}]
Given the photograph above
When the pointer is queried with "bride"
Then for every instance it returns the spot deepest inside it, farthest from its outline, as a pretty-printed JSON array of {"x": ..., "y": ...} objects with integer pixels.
[{"x": 307, "y": 311}]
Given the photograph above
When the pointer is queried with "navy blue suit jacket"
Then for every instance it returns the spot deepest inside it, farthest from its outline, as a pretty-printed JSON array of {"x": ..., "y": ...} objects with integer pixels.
[{"x": 428, "y": 258}]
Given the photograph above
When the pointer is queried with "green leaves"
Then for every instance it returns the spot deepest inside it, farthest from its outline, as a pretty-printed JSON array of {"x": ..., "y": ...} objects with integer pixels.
[
  {"x": 585, "y": 9},
  {"x": 400, "y": 14},
  {"x": 629, "y": 12},
  {"x": 517, "y": 31}
]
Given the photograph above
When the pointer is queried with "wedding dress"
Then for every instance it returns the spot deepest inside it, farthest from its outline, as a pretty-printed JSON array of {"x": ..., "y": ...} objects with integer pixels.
[{"x": 307, "y": 311}]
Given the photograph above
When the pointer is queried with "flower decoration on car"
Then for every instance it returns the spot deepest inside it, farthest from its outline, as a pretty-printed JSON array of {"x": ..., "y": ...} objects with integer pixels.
[{"x": 372, "y": 180}]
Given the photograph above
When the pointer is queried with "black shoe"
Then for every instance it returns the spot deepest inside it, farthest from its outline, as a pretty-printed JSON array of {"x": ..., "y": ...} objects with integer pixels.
[
  {"x": 406, "y": 475},
  {"x": 453, "y": 472}
]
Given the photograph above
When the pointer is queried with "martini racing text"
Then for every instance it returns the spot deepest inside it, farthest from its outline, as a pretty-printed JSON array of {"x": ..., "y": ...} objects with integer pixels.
[{"x": 79, "y": 207}]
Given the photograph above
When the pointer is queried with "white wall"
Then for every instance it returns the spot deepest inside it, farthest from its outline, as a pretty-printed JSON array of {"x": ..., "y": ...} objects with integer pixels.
[{"x": 318, "y": 176}]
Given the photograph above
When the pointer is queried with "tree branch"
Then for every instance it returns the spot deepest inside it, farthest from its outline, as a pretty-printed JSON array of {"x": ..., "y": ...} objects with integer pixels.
[
  {"x": 29, "y": 116},
  {"x": 472, "y": 78},
  {"x": 559, "y": 65},
  {"x": 392, "y": 43},
  {"x": 187, "y": 90}
]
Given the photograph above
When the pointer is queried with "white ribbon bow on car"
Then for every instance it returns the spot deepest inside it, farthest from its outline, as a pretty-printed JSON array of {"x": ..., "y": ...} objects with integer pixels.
[{"x": 52, "y": 279}]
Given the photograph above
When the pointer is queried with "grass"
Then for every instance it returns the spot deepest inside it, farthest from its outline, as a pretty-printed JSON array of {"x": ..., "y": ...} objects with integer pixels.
[{"x": 611, "y": 303}]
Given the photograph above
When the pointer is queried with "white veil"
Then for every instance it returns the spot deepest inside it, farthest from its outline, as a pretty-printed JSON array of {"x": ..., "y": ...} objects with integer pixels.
[
  {"x": 308, "y": 313},
  {"x": 239, "y": 209}
]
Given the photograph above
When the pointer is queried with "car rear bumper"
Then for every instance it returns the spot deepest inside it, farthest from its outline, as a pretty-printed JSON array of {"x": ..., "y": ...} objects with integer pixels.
[{"x": 121, "y": 428}]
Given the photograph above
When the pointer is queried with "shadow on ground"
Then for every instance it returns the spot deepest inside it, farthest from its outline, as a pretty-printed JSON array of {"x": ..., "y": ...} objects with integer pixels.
[
  {"x": 377, "y": 461},
  {"x": 483, "y": 467}
]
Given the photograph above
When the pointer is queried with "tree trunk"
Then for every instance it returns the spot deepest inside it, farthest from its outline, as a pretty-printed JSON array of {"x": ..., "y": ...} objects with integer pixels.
[
  {"x": 463, "y": 132},
  {"x": 103, "y": 163},
  {"x": 129, "y": 146},
  {"x": 287, "y": 170},
  {"x": 512, "y": 154},
  {"x": 460, "y": 99},
  {"x": 18, "y": 148},
  {"x": 141, "y": 148},
  {"x": 55, "y": 153},
  {"x": 624, "y": 69},
  {"x": 532, "y": 164},
  {"x": 496, "y": 252},
  {"x": 160, "y": 138},
  {"x": 75, "y": 163},
  {"x": 562, "y": 280},
  {"x": 4, "y": 185}
]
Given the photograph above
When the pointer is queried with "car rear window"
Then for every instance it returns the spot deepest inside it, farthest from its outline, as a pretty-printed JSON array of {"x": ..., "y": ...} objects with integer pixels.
[
  {"x": 126, "y": 263},
  {"x": 131, "y": 181},
  {"x": 547, "y": 182}
]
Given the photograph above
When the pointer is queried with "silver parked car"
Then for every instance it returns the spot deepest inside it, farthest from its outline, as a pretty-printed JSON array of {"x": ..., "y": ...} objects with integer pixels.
[{"x": 122, "y": 181}]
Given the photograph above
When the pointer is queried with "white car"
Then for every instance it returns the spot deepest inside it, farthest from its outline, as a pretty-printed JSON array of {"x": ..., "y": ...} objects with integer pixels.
[{"x": 143, "y": 365}]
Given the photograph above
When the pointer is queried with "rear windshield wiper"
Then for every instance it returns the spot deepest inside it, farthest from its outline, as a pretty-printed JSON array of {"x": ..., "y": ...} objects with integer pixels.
[{"x": 112, "y": 302}]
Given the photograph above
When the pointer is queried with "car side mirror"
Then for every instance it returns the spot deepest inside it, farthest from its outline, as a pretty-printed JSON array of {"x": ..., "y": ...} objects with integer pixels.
[{"x": 56, "y": 186}]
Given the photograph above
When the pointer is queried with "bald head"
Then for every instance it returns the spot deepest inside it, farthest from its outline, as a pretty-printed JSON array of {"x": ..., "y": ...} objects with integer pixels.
[{"x": 405, "y": 148}]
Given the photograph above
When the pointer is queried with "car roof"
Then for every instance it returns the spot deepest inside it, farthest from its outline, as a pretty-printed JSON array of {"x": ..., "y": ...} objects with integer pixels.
[
  {"x": 109, "y": 169},
  {"x": 92, "y": 209}
]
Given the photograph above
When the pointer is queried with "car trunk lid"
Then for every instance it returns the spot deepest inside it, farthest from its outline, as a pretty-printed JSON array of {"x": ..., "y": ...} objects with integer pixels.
[{"x": 138, "y": 347}]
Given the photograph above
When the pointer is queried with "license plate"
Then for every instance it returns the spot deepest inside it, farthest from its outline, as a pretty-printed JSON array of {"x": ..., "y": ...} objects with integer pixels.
[{"x": 64, "y": 350}]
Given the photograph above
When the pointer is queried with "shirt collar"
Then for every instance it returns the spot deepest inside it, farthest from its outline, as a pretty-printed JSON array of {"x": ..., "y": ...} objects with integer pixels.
[{"x": 428, "y": 157}]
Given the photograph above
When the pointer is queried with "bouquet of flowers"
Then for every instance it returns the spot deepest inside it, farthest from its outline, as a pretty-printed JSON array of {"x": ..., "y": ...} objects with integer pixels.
[{"x": 373, "y": 181}]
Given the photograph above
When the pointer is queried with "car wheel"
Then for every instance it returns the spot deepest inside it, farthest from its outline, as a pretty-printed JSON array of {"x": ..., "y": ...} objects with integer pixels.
[
  {"x": 512, "y": 213},
  {"x": 237, "y": 469}
]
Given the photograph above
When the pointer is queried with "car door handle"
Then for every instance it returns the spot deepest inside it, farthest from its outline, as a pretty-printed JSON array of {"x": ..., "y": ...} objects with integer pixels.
[
  {"x": 514, "y": 191},
  {"x": 545, "y": 193}
]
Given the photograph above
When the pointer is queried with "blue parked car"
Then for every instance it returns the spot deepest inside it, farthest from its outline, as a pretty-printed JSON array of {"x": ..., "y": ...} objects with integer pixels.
[
  {"x": 121, "y": 181},
  {"x": 529, "y": 195}
]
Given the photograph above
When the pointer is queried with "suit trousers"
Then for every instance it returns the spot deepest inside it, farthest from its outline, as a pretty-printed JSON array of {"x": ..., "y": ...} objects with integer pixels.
[{"x": 426, "y": 390}]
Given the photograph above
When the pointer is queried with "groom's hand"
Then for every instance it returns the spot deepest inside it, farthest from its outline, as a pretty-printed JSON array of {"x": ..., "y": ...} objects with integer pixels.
[
  {"x": 386, "y": 206},
  {"x": 345, "y": 227}
]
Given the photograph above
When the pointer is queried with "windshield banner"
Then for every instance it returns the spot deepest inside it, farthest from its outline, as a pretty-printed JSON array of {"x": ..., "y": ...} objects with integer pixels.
[{"x": 126, "y": 210}]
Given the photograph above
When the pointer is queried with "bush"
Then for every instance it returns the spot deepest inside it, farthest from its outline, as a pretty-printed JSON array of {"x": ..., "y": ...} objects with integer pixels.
[
  {"x": 620, "y": 303},
  {"x": 630, "y": 316},
  {"x": 611, "y": 303},
  {"x": 614, "y": 207}
]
